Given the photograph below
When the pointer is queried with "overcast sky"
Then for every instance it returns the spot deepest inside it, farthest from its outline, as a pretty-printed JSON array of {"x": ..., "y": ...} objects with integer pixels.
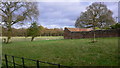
[{"x": 64, "y": 14}]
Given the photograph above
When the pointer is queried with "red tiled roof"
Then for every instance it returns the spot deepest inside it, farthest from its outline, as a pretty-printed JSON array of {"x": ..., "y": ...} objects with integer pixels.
[{"x": 78, "y": 29}]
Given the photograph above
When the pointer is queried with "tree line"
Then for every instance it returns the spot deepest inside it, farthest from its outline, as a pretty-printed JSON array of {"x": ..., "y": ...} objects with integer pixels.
[{"x": 23, "y": 32}]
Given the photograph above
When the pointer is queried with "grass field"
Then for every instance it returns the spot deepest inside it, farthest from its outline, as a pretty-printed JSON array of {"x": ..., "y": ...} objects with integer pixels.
[
  {"x": 14, "y": 39},
  {"x": 70, "y": 52}
]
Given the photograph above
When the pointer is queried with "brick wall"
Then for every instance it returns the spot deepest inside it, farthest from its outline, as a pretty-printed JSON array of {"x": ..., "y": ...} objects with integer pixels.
[{"x": 89, "y": 34}]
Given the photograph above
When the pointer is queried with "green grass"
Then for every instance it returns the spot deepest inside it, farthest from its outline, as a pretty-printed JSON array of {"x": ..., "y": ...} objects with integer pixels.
[{"x": 75, "y": 52}]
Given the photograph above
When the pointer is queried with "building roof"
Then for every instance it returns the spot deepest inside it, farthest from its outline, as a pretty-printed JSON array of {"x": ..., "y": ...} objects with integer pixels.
[{"x": 78, "y": 29}]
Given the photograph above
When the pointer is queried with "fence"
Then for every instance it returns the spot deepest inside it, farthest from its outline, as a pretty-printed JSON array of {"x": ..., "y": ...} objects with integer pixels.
[{"x": 6, "y": 60}]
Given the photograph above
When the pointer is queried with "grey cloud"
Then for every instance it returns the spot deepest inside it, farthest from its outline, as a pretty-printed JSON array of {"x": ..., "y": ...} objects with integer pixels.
[{"x": 55, "y": 14}]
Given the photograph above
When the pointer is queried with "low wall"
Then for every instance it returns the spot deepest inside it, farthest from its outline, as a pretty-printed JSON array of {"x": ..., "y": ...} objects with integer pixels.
[{"x": 90, "y": 34}]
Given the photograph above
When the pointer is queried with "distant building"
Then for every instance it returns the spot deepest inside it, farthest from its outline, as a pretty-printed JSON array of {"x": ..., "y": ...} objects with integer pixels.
[
  {"x": 77, "y": 33},
  {"x": 68, "y": 32}
]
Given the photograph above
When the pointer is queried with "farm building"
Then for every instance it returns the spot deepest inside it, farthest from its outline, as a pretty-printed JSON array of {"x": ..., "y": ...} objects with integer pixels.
[{"x": 77, "y": 33}]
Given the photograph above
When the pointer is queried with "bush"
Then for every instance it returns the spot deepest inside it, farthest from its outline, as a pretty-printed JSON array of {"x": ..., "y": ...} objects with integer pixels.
[{"x": 115, "y": 26}]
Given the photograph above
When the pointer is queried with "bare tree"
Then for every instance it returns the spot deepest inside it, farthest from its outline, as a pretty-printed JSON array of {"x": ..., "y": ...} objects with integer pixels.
[
  {"x": 97, "y": 15},
  {"x": 17, "y": 12}
]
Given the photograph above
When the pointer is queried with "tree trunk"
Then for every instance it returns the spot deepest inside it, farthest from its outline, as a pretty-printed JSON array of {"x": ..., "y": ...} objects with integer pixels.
[
  {"x": 8, "y": 39},
  {"x": 9, "y": 21},
  {"x": 94, "y": 40},
  {"x": 9, "y": 34},
  {"x": 94, "y": 36},
  {"x": 32, "y": 38}
]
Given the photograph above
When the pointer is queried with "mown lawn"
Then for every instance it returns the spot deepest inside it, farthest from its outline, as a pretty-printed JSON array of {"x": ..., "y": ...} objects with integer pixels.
[{"x": 70, "y": 52}]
